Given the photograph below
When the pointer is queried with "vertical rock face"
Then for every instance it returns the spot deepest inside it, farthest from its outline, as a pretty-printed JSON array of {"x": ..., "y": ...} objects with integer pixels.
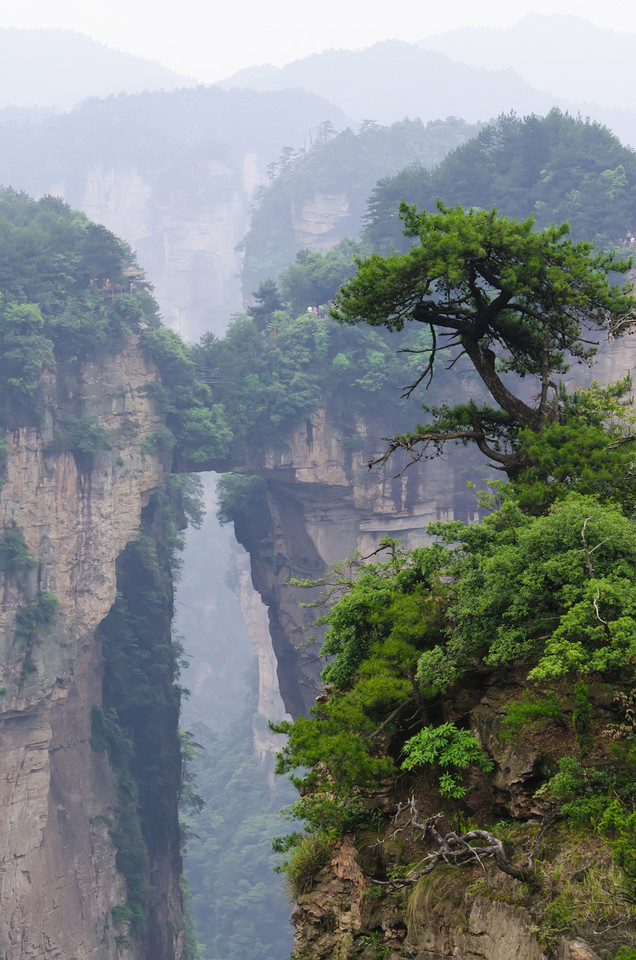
[
  {"x": 186, "y": 237},
  {"x": 270, "y": 704},
  {"x": 318, "y": 222},
  {"x": 58, "y": 875},
  {"x": 322, "y": 504}
]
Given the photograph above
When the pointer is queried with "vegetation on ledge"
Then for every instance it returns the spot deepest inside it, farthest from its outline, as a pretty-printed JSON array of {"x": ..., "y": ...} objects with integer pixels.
[{"x": 510, "y": 643}]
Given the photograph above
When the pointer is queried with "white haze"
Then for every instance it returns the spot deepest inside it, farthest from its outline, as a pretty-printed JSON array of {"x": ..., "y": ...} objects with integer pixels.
[{"x": 210, "y": 41}]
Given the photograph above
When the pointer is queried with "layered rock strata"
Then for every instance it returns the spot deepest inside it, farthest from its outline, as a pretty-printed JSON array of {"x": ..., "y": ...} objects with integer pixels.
[
  {"x": 58, "y": 879},
  {"x": 322, "y": 504}
]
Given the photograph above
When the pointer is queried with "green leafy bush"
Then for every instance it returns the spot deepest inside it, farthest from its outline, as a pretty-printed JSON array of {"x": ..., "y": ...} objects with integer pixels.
[
  {"x": 14, "y": 553},
  {"x": 514, "y": 574},
  {"x": 308, "y": 857},
  {"x": 626, "y": 953},
  {"x": 529, "y": 711},
  {"x": 450, "y": 749},
  {"x": 36, "y": 618},
  {"x": 58, "y": 274},
  {"x": 235, "y": 492}
]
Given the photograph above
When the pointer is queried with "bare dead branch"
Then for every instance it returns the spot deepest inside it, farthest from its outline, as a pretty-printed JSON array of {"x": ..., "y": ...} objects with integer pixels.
[
  {"x": 455, "y": 850},
  {"x": 595, "y": 602},
  {"x": 392, "y": 716},
  {"x": 428, "y": 370},
  {"x": 621, "y": 441},
  {"x": 588, "y": 555}
]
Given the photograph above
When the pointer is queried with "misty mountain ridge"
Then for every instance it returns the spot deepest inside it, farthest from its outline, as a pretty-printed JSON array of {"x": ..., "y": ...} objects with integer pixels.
[
  {"x": 394, "y": 79},
  {"x": 558, "y": 53},
  {"x": 59, "y": 68}
]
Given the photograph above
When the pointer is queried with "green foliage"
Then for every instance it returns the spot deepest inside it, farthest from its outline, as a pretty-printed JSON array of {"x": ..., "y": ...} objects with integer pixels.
[
  {"x": 513, "y": 299},
  {"x": 268, "y": 382},
  {"x": 36, "y": 618},
  {"x": 624, "y": 846},
  {"x": 557, "y": 917},
  {"x": 132, "y": 855},
  {"x": 346, "y": 163},
  {"x": 162, "y": 441},
  {"x": 54, "y": 307},
  {"x": 529, "y": 711},
  {"x": 234, "y": 492},
  {"x": 584, "y": 793},
  {"x": 107, "y": 737},
  {"x": 338, "y": 760},
  {"x": 376, "y": 627},
  {"x": 582, "y": 719},
  {"x": 552, "y": 595},
  {"x": 380, "y": 611},
  {"x": 308, "y": 857},
  {"x": 314, "y": 278},
  {"x": 557, "y": 167},
  {"x": 188, "y": 800},
  {"x": 267, "y": 302},
  {"x": 587, "y": 451},
  {"x": 201, "y": 435},
  {"x": 14, "y": 553},
  {"x": 446, "y": 746},
  {"x": 524, "y": 590},
  {"x": 603, "y": 799}
]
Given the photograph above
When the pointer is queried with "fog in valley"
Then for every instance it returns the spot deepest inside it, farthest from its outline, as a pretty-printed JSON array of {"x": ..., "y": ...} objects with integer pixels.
[{"x": 285, "y": 169}]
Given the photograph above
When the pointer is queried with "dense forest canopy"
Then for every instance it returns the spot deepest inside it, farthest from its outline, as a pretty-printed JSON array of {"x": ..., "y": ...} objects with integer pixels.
[
  {"x": 69, "y": 290},
  {"x": 344, "y": 167},
  {"x": 537, "y": 600},
  {"x": 558, "y": 168},
  {"x": 508, "y": 297}
]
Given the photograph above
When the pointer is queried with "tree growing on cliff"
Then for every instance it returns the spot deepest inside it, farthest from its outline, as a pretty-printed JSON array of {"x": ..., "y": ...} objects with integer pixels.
[{"x": 509, "y": 298}]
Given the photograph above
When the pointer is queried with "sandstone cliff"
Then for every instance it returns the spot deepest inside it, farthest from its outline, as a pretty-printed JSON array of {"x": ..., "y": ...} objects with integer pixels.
[
  {"x": 59, "y": 879},
  {"x": 322, "y": 503},
  {"x": 358, "y": 905}
]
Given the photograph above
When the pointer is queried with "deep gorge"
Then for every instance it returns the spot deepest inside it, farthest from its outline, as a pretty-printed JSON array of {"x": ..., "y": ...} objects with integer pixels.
[{"x": 101, "y": 438}]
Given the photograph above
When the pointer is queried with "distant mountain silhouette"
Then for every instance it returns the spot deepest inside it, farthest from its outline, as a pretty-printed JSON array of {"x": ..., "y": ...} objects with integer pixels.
[
  {"x": 566, "y": 55},
  {"x": 392, "y": 80},
  {"x": 59, "y": 68}
]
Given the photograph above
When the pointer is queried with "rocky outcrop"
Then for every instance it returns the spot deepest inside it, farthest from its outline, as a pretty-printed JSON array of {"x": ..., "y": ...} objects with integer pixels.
[
  {"x": 185, "y": 232},
  {"x": 322, "y": 504},
  {"x": 58, "y": 874},
  {"x": 319, "y": 222},
  {"x": 359, "y": 905},
  {"x": 270, "y": 705},
  {"x": 346, "y": 917}
]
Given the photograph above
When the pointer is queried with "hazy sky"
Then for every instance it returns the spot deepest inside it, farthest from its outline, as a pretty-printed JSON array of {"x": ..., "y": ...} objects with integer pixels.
[{"x": 210, "y": 40}]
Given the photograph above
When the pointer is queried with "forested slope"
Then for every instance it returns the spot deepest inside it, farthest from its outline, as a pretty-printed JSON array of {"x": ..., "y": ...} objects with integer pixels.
[{"x": 475, "y": 744}]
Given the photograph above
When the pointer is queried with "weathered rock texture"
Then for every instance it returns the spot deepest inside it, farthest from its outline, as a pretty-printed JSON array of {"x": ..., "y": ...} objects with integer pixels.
[
  {"x": 321, "y": 504},
  {"x": 58, "y": 876},
  {"x": 341, "y": 917},
  {"x": 475, "y": 911},
  {"x": 270, "y": 704},
  {"x": 185, "y": 233},
  {"x": 319, "y": 222}
]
